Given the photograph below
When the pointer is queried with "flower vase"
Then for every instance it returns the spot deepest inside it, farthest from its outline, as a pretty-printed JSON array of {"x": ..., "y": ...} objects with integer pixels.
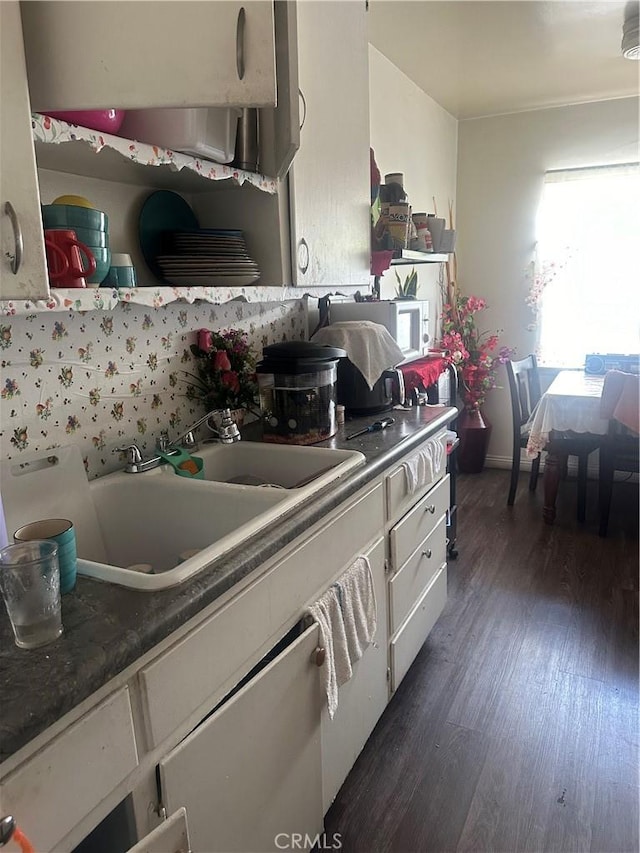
[{"x": 474, "y": 432}]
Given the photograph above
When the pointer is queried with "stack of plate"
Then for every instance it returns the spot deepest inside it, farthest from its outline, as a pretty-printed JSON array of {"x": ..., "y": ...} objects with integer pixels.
[{"x": 206, "y": 257}]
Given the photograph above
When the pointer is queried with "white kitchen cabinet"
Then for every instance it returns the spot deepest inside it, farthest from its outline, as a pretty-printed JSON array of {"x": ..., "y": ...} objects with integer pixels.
[
  {"x": 361, "y": 700},
  {"x": 96, "y": 54},
  {"x": 417, "y": 556},
  {"x": 23, "y": 269},
  {"x": 172, "y": 836},
  {"x": 69, "y": 777},
  {"x": 252, "y": 769},
  {"x": 329, "y": 188}
]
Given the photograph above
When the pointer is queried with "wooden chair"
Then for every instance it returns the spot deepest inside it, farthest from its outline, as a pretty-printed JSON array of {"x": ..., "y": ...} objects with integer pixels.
[
  {"x": 619, "y": 447},
  {"x": 524, "y": 385}
]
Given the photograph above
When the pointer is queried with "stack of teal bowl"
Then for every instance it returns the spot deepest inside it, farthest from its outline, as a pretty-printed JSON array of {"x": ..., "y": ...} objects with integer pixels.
[{"x": 91, "y": 227}]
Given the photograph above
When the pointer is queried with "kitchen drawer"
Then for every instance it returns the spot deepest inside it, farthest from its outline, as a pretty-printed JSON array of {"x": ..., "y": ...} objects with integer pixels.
[
  {"x": 72, "y": 774},
  {"x": 408, "y": 641},
  {"x": 415, "y": 575},
  {"x": 209, "y": 660},
  {"x": 398, "y": 497},
  {"x": 410, "y": 531}
]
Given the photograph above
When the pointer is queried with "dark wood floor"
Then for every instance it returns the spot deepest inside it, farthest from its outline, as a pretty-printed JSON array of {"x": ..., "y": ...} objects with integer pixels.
[{"x": 516, "y": 729}]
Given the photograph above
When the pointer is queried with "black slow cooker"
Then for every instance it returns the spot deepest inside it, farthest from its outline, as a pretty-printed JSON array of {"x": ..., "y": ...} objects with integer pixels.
[{"x": 297, "y": 384}]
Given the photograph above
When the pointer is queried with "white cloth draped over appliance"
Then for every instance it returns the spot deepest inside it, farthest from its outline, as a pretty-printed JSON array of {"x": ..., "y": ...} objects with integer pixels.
[
  {"x": 347, "y": 619},
  {"x": 421, "y": 468},
  {"x": 370, "y": 346}
]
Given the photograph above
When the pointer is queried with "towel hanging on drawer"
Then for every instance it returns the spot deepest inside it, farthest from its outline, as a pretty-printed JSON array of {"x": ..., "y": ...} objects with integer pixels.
[
  {"x": 347, "y": 619},
  {"x": 423, "y": 467}
]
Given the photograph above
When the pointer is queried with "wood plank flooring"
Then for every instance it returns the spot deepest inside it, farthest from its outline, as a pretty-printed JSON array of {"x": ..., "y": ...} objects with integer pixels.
[{"x": 516, "y": 729}]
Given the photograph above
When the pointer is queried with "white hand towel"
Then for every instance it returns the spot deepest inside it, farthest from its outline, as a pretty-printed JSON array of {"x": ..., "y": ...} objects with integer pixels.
[
  {"x": 347, "y": 618},
  {"x": 369, "y": 346},
  {"x": 421, "y": 468}
]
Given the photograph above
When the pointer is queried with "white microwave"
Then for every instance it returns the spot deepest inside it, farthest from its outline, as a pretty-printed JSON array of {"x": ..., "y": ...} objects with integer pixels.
[{"x": 407, "y": 320}]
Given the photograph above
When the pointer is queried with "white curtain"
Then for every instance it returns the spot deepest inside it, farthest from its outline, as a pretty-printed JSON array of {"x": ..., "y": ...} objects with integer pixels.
[{"x": 589, "y": 230}]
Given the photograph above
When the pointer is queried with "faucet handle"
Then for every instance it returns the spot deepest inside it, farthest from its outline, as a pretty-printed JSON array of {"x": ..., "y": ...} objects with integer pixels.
[
  {"x": 134, "y": 457},
  {"x": 162, "y": 443}
]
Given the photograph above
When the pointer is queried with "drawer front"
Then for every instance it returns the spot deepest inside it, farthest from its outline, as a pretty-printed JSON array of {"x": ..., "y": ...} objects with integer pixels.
[
  {"x": 204, "y": 664},
  {"x": 62, "y": 783},
  {"x": 418, "y": 523},
  {"x": 398, "y": 497},
  {"x": 406, "y": 586},
  {"x": 409, "y": 640}
]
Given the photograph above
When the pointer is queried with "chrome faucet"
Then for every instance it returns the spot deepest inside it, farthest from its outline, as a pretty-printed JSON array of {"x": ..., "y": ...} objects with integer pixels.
[
  {"x": 136, "y": 464},
  {"x": 228, "y": 433}
]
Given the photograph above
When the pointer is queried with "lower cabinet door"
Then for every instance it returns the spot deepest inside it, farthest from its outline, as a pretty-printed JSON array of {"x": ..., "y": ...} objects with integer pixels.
[
  {"x": 250, "y": 774},
  {"x": 361, "y": 700},
  {"x": 408, "y": 641},
  {"x": 172, "y": 836}
]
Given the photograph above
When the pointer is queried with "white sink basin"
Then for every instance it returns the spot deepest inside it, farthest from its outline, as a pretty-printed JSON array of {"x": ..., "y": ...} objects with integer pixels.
[
  {"x": 257, "y": 463},
  {"x": 155, "y": 517}
]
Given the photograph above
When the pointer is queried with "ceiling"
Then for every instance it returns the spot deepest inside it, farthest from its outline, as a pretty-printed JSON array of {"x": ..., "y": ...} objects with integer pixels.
[{"x": 478, "y": 58}]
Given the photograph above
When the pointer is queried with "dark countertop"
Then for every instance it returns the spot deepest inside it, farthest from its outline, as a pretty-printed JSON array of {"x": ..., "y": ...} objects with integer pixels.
[{"x": 107, "y": 627}]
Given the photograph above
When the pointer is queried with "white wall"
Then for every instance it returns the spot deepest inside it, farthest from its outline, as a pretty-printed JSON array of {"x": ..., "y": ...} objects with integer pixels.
[
  {"x": 412, "y": 134},
  {"x": 501, "y": 163}
]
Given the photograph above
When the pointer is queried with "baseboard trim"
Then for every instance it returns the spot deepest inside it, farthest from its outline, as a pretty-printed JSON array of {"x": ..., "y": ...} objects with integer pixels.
[{"x": 525, "y": 465}]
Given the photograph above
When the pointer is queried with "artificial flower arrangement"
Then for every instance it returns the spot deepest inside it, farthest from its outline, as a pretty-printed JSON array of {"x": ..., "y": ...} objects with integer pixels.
[
  {"x": 474, "y": 354},
  {"x": 226, "y": 368}
]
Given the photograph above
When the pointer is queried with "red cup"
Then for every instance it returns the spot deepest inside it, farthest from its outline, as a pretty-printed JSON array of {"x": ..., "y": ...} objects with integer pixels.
[{"x": 64, "y": 258}]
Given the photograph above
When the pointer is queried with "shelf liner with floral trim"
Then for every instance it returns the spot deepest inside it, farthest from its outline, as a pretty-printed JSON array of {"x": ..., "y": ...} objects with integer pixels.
[
  {"x": 52, "y": 130},
  {"x": 106, "y": 298}
]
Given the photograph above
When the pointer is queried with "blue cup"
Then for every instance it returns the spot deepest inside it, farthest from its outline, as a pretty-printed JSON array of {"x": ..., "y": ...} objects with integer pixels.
[
  {"x": 120, "y": 277},
  {"x": 60, "y": 531}
]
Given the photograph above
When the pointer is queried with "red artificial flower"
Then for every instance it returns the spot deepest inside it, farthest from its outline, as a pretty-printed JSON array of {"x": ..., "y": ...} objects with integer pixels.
[
  {"x": 221, "y": 361},
  {"x": 205, "y": 342},
  {"x": 230, "y": 380}
]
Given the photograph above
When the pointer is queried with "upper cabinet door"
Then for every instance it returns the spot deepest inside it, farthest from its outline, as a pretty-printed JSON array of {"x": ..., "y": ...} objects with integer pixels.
[
  {"x": 329, "y": 178},
  {"x": 23, "y": 270},
  {"x": 98, "y": 54}
]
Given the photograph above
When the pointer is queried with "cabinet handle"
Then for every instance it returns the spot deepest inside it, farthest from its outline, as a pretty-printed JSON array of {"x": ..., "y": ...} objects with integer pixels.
[
  {"x": 431, "y": 508},
  {"x": 304, "y": 107},
  {"x": 427, "y": 553},
  {"x": 18, "y": 240},
  {"x": 319, "y": 655},
  {"x": 303, "y": 256},
  {"x": 240, "y": 42}
]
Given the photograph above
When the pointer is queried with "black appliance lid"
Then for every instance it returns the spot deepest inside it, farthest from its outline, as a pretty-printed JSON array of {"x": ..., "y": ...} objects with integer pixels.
[
  {"x": 303, "y": 349},
  {"x": 298, "y": 357}
]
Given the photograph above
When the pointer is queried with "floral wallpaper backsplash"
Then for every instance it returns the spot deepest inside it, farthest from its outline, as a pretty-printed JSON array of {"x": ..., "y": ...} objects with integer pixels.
[{"x": 104, "y": 379}]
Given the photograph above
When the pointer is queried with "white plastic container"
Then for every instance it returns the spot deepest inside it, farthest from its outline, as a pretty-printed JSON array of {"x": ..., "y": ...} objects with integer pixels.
[{"x": 208, "y": 132}]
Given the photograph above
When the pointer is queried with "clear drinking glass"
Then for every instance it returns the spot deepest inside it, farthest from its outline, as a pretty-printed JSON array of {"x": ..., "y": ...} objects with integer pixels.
[{"x": 30, "y": 585}]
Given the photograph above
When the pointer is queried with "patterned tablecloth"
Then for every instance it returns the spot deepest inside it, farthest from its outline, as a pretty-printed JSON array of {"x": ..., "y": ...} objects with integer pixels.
[{"x": 572, "y": 403}]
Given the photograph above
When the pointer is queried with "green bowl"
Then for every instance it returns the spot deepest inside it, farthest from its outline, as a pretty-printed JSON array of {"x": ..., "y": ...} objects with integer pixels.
[
  {"x": 91, "y": 237},
  {"x": 103, "y": 262},
  {"x": 72, "y": 216}
]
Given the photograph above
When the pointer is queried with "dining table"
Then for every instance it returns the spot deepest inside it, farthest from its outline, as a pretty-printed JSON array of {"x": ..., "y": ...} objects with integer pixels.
[{"x": 571, "y": 404}]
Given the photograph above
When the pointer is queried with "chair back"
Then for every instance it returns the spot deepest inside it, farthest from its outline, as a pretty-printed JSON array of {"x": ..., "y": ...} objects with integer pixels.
[{"x": 524, "y": 385}]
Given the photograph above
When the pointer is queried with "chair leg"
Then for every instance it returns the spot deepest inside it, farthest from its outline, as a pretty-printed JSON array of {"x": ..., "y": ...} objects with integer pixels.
[
  {"x": 535, "y": 469},
  {"x": 605, "y": 490},
  {"x": 583, "y": 459},
  {"x": 515, "y": 473}
]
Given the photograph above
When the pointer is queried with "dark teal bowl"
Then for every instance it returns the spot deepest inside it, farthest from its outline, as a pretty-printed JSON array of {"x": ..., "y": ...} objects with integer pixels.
[
  {"x": 71, "y": 216},
  {"x": 92, "y": 237},
  {"x": 103, "y": 262}
]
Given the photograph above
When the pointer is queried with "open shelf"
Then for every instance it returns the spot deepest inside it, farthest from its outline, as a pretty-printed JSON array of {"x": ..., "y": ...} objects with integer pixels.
[
  {"x": 407, "y": 256},
  {"x": 107, "y": 298},
  {"x": 77, "y": 150}
]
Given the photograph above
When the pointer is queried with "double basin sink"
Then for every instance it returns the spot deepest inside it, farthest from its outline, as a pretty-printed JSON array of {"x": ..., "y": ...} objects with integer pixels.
[{"x": 156, "y": 529}]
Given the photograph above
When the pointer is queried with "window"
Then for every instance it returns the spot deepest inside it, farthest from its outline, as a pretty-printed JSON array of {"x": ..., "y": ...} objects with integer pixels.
[{"x": 589, "y": 263}]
